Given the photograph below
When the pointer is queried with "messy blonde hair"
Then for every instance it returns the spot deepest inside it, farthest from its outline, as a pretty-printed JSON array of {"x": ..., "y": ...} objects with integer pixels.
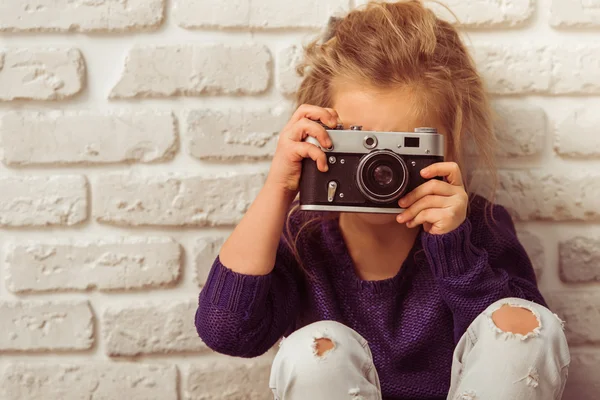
[{"x": 405, "y": 45}]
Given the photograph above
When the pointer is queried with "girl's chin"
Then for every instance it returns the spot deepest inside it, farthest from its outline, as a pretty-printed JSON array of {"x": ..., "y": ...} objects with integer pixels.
[{"x": 377, "y": 219}]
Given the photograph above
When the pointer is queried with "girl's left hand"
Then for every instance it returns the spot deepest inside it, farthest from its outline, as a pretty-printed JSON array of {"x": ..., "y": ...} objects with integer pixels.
[{"x": 440, "y": 206}]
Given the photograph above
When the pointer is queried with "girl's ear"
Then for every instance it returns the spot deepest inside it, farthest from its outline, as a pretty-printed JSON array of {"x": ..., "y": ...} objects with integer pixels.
[{"x": 331, "y": 29}]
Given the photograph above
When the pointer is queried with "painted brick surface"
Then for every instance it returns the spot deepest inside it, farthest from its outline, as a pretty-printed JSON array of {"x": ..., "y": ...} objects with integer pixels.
[
  {"x": 46, "y": 326},
  {"x": 206, "y": 250},
  {"x": 521, "y": 129},
  {"x": 133, "y": 200},
  {"x": 207, "y": 380},
  {"x": 43, "y": 200},
  {"x": 134, "y": 135},
  {"x": 288, "y": 79},
  {"x": 192, "y": 70},
  {"x": 483, "y": 14},
  {"x": 80, "y": 15},
  {"x": 575, "y": 14},
  {"x": 155, "y": 328},
  {"x": 37, "y": 381},
  {"x": 40, "y": 73},
  {"x": 235, "y": 134},
  {"x": 106, "y": 264},
  {"x": 535, "y": 250},
  {"x": 575, "y": 134},
  {"x": 584, "y": 376},
  {"x": 581, "y": 312},
  {"x": 248, "y": 14},
  {"x": 580, "y": 259},
  {"x": 87, "y": 137},
  {"x": 539, "y": 195}
]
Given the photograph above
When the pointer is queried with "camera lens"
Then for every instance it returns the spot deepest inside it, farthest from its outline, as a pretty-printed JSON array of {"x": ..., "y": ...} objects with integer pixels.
[{"x": 382, "y": 176}]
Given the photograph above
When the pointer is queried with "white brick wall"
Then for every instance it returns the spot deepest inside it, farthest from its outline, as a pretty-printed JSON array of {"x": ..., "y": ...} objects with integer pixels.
[{"x": 128, "y": 157}]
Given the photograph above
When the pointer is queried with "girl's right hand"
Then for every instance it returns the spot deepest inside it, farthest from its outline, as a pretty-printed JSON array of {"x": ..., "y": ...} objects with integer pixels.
[{"x": 286, "y": 166}]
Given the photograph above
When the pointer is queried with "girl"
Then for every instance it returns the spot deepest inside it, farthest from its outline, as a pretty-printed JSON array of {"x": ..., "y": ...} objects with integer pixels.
[{"x": 438, "y": 302}]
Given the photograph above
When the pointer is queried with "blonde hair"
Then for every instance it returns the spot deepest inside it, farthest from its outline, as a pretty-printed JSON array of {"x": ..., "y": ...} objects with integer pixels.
[{"x": 405, "y": 45}]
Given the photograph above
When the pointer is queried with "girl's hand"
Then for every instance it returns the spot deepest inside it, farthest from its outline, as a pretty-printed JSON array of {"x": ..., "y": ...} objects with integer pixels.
[
  {"x": 286, "y": 166},
  {"x": 440, "y": 206}
]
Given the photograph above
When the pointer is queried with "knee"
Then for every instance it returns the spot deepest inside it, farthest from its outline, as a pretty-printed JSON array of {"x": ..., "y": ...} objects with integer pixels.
[
  {"x": 525, "y": 319},
  {"x": 324, "y": 357},
  {"x": 314, "y": 348},
  {"x": 321, "y": 338}
]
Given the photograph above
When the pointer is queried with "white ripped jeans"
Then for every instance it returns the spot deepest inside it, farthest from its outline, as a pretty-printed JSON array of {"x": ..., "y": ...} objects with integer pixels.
[{"x": 488, "y": 363}]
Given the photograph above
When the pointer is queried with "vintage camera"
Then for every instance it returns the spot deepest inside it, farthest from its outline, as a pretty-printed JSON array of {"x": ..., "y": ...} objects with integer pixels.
[{"x": 368, "y": 171}]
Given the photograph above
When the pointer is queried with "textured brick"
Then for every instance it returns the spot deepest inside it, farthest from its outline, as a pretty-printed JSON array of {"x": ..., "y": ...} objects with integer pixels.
[
  {"x": 159, "y": 71},
  {"x": 87, "y": 137},
  {"x": 514, "y": 69},
  {"x": 120, "y": 263},
  {"x": 36, "y": 381},
  {"x": 206, "y": 250},
  {"x": 520, "y": 129},
  {"x": 167, "y": 327},
  {"x": 576, "y": 70},
  {"x": 80, "y": 15},
  {"x": 43, "y": 200},
  {"x": 581, "y": 313},
  {"x": 235, "y": 134},
  {"x": 288, "y": 60},
  {"x": 580, "y": 259},
  {"x": 484, "y": 13},
  {"x": 575, "y": 13},
  {"x": 40, "y": 74},
  {"x": 577, "y": 134},
  {"x": 540, "y": 195},
  {"x": 129, "y": 199},
  {"x": 213, "y": 380},
  {"x": 252, "y": 14},
  {"x": 535, "y": 250},
  {"x": 584, "y": 376},
  {"x": 38, "y": 325}
]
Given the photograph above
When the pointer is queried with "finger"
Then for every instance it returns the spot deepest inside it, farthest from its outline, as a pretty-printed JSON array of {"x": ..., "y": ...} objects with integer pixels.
[
  {"x": 306, "y": 127},
  {"x": 334, "y": 114},
  {"x": 432, "y": 187},
  {"x": 307, "y": 150},
  {"x": 314, "y": 113},
  {"x": 429, "y": 201},
  {"x": 431, "y": 216},
  {"x": 449, "y": 170}
]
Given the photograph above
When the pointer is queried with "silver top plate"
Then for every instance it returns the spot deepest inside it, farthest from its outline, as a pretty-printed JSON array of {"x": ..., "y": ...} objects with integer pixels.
[{"x": 355, "y": 141}]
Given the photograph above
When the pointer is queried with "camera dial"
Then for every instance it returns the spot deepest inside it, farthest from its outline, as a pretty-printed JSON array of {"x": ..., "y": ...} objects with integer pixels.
[{"x": 370, "y": 142}]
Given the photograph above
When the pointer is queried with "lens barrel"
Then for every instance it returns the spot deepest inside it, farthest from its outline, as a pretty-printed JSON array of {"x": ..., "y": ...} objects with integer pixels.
[{"x": 382, "y": 176}]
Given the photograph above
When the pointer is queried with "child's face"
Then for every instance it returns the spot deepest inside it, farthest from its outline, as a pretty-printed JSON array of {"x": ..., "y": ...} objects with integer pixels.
[{"x": 377, "y": 110}]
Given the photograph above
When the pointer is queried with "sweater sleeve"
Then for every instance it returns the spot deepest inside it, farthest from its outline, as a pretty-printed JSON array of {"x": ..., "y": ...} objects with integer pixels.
[
  {"x": 480, "y": 262},
  {"x": 243, "y": 315}
]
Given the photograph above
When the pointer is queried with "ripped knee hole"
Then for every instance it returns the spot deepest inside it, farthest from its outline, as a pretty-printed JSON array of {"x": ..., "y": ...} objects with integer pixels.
[
  {"x": 322, "y": 346},
  {"x": 515, "y": 319}
]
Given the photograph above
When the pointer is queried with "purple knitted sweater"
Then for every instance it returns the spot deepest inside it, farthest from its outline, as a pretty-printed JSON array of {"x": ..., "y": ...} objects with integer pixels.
[{"x": 411, "y": 321}]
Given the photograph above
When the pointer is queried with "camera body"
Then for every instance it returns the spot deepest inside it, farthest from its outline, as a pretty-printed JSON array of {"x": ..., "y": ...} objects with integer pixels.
[{"x": 369, "y": 171}]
